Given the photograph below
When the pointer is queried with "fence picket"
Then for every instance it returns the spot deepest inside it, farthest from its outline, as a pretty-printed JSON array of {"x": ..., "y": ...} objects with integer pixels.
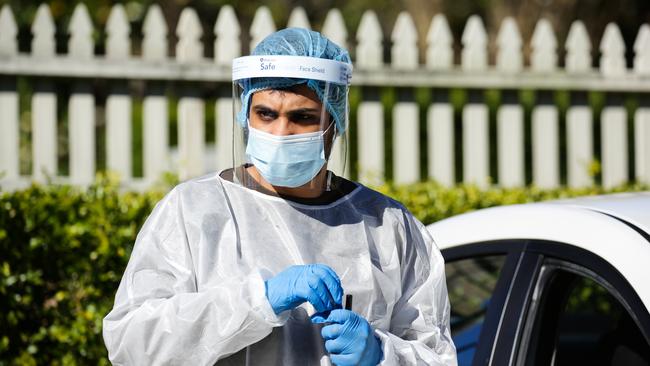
[
  {"x": 642, "y": 114},
  {"x": 227, "y": 46},
  {"x": 579, "y": 115},
  {"x": 613, "y": 117},
  {"x": 191, "y": 107},
  {"x": 510, "y": 141},
  {"x": 118, "y": 130},
  {"x": 642, "y": 140},
  {"x": 370, "y": 114},
  {"x": 118, "y": 103},
  {"x": 404, "y": 53},
  {"x": 544, "y": 47},
  {"x": 43, "y": 29},
  {"x": 612, "y": 48},
  {"x": 9, "y": 134},
  {"x": 8, "y": 32},
  {"x": 614, "y": 141},
  {"x": 227, "y": 32},
  {"x": 370, "y": 119},
  {"x": 509, "y": 57},
  {"x": 44, "y": 137},
  {"x": 579, "y": 141},
  {"x": 81, "y": 107},
  {"x": 262, "y": 26},
  {"x": 369, "y": 38},
  {"x": 224, "y": 115},
  {"x": 440, "y": 128},
  {"x": 510, "y": 115},
  {"x": 155, "y": 131},
  {"x": 371, "y": 138},
  {"x": 189, "y": 47},
  {"x": 546, "y": 146},
  {"x": 155, "y": 115},
  {"x": 334, "y": 28},
  {"x": 191, "y": 134},
  {"x": 80, "y": 44},
  {"x": 118, "y": 42},
  {"x": 578, "y": 48},
  {"x": 298, "y": 18},
  {"x": 43, "y": 106},
  {"x": 154, "y": 45},
  {"x": 475, "y": 140},
  {"x": 642, "y": 51},
  {"x": 440, "y": 52},
  {"x": 440, "y": 114},
  {"x": 406, "y": 115},
  {"x": 545, "y": 116},
  {"x": 474, "y": 40},
  {"x": 475, "y": 112}
]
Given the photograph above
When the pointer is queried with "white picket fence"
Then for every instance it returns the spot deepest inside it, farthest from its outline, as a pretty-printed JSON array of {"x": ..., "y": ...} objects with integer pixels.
[{"x": 190, "y": 69}]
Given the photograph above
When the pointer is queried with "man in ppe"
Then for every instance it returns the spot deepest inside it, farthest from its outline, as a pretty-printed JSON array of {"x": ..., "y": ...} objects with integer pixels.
[{"x": 250, "y": 266}]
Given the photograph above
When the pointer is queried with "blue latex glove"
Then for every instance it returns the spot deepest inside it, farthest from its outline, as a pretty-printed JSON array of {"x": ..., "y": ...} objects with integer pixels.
[
  {"x": 316, "y": 283},
  {"x": 349, "y": 339}
]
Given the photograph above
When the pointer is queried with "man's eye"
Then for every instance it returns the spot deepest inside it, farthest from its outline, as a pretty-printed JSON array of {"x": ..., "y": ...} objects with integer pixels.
[
  {"x": 304, "y": 118},
  {"x": 267, "y": 115}
]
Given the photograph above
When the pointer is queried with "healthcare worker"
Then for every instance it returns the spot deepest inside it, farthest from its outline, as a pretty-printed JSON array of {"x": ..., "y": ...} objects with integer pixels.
[{"x": 251, "y": 265}]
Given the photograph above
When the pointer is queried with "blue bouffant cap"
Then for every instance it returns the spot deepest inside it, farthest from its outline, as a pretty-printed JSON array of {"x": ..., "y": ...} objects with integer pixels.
[{"x": 299, "y": 42}]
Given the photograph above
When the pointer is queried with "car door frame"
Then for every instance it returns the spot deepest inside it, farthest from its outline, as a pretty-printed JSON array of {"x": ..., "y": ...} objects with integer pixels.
[{"x": 512, "y": 284}]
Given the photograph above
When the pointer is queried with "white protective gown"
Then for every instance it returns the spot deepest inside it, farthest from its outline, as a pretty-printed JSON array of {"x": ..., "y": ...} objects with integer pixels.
[{"x": 193, "y": 292}]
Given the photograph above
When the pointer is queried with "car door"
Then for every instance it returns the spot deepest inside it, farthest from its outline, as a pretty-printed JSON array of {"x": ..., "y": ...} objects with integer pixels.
[{"x": 576, "y": 309}]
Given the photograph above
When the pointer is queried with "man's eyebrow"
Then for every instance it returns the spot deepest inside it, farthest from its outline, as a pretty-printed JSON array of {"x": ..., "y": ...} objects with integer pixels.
[
  {"x": 262, "y": 107},
  {"x": 259, "y": 107},
  {"x": 305, "y": 110}
]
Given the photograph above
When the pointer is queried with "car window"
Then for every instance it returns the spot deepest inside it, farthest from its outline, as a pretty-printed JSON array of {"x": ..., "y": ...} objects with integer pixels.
[
  {"x": 579, "y": 322},
  {"x": 470, "y": 283}
]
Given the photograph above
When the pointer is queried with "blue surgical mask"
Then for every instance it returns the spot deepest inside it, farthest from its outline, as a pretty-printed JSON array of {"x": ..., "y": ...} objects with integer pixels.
[{"x": 286, "y": 161}]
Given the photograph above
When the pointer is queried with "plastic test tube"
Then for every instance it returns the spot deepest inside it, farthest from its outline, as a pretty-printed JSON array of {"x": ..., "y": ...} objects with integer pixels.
[{"x": 348, "y": 302}]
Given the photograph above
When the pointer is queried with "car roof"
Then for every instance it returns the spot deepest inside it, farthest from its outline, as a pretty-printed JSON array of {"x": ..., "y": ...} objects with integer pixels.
[
  {"x": 633, "y": 208},
  {"x": 614, "y": 227},
  {"x": 536, "y": 220}
]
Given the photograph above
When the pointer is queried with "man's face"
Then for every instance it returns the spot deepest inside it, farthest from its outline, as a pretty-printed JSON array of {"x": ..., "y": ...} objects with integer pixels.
[{"x": 285, "y": 112}]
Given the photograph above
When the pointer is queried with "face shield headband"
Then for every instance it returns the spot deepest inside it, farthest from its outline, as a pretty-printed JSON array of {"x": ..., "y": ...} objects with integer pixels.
[{"x": 329, "y": 79}]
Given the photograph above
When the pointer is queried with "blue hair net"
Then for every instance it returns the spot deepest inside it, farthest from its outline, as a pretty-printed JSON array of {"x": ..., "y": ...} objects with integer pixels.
[{"x": 299, "y": 42}]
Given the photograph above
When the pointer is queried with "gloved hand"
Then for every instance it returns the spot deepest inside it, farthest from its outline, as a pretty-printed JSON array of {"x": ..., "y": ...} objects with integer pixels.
[
  {"x": 316, "y": 283},
  {"x": 350, "y": 340}
]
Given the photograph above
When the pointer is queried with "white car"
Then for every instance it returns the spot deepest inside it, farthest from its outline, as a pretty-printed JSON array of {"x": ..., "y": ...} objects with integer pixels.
[{"x": 558, "y": 283}]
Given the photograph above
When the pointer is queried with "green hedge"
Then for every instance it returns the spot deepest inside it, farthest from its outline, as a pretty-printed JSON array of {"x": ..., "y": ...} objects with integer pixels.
[
  {"x": 431, "y": 202},
  {"x": 64, "y": 250},
  {"x": 63, "y": 253}
]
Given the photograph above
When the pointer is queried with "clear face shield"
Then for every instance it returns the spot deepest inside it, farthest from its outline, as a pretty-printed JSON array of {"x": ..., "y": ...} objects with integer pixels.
[{"x": 290, "y": 121}]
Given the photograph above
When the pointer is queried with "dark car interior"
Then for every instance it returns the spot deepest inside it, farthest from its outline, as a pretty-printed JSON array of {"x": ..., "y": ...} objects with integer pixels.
[{"x": 581, "y": 323}]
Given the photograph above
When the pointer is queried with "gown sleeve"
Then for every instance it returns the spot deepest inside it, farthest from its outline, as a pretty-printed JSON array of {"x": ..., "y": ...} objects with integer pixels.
[
  {"x": 159, "y": 317},
  {"x": 419, "y": 332}
]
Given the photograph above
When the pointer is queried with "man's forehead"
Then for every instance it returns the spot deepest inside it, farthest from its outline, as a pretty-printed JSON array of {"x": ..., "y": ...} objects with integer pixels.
[{"x": 297, "y": 94}]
